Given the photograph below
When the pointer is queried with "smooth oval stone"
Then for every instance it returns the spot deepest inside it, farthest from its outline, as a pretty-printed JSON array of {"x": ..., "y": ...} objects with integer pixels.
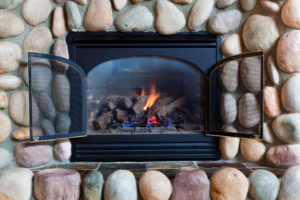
[
  {"x": 36, "y": 11},
  {"x": 229, "y": 146},
  {"x": 287, "y": 128},
  {"x": 155, "y": 185},
  {"x": 24, "y": 134},
  {"x": 290, "y": 94},
  {"x": 60, "y": 49},
  {"x": 38, "y": 40},
  {"x": 248, "y": 4},
  {"x": 119, "y": 4},
  {"x": 264, "y": 185},
  {"x": 62, "y": 123},
  {"x": 10, "y": 25},
  {"x": 60, "y": 184},
  {"x": 98, "y": 16},
  {"x": 271, "y": 102},
  {"x": 251, "y": 73},
  {"x": 3, "y": 100},
  {"x": 199, "y": 13},
  {"x": 41, "y": 75},
  {"x": 273, "y": 72},
  {"x": 225, "y": 22},
  {"x": 9, "y": 4},
  {"x": 137, "y": 19},
  {"x": 290, "y": 13},
  {"x": 190, "y": 183},
  {"x": 46, "y": 106},
  {"x": 61, "y": 93},
  {"x": 183, "y": 1},
  {"x": 73, "y": 16},
  {"x": 5, "y": 126},
  {"x": 232, "y": 45},
  {"x": 284, "y": 156},
  {"x": 81, "y": 2},
  {"x": 252, "y": 150},
  {"x": 120, "y": 184},
  {"x": 229, "y": 76},
  {"x": 260, "y": 33},
  {"x": 26, "y": 76},
  {"x": 48, "y": 128},
  {"x": 169, "y": 19},
  {"x": 63, "y": 150},
  {"x": 224, "y": 3},
  {"x": 4, "y": 196},
  {"x": 19, "y": 108},
  {"x": 10, "y": 56},
  {"x": 269, "y": 6},
  {"x": 228, "y": 108},
  {"x": 92, "y": 185},
  {"x": 290, "y": 184},
  {"x": 58, "y": 23},
  {"x": 249, "y": 112},
  {"x": 6, "y": 158},
  {"x": 288, "y": 52},
  {"x": 228, "y": 183},
  {"x": 267, "y": 133},
  {"x": 16, "y": 183},
  {"x": 33, "y": 154},
  {"x": 9, "y": 82}
]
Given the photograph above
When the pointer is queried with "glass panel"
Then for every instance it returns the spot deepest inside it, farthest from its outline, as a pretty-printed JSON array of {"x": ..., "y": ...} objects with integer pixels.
[
  {"x": 236, "y": 96},
  {"x": 57, "y": 91},
  {"x": 145, "y": 95}
]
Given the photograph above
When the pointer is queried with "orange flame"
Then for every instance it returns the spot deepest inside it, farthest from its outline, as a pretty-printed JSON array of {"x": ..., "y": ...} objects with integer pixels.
[
  {"x": 153, "y": 120},
  {"x": 152, "y": 98}
]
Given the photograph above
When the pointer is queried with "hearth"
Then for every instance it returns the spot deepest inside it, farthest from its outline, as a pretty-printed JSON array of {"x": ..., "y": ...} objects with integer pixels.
[{"x": 136, "y": 96}]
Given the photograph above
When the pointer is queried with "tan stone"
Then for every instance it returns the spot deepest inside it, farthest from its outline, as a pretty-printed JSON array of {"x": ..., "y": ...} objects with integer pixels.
[
  {"x": 5, "y": 126},
  {"x": 10, "y": 56},
  {"x": 269, "y": 6},
  {"x": 169, "y": 19},
  {"x": 248, "y": 4},
  {"x": 24, "y": 134},
  {"x": 252, "y": 150},
  {"x": 228, "y": 184},
  {"x": 4, "y": 196},
  {"x": 58, "y": 23},
  {"x": 10, "y": 25},
  {"x": 3, "y": 100},
  {"x": 183, "y": 1},
  {"x": 290, "y": 14},
  {"x": 271, "y": 102},
  {"x": 229, "y": 146},
  {"x": 36, "y": 11},
  {"x": 119, "y": 4},
  {"x": 98, "y": 16},
  {"x": 232, "y": 45}
]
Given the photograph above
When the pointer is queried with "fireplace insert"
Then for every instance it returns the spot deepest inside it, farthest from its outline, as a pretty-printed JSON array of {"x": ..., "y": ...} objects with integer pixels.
[{"x": 143, "y": 96}]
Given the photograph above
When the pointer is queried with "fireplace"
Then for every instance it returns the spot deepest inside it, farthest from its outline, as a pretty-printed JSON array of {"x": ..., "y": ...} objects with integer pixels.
[{"x": 140, "y": 96}]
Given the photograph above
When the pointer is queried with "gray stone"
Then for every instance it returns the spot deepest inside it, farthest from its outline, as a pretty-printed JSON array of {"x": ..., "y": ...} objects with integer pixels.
[
  {"x": 249, "y": 111},
  {"x": 9, "y": 4},
  {"x": 224, "y": 22},
  {"x": 48, "y": 128},
  {"x": 273, "y": 72},
  {"x": 287, "y": 128},
  {"x": 5, "y": 126},
  {"x": 6, "y": 158},
  {"x": 290, "y": 184},
  {"x": 187, "y": 182},
  {"x": 36, "y": 11},
  {"x": 92, "y": 185},
  {"x": 62, "y": 123},
  {"x": 199, "y": 13},
  {"x": 284, "y": 156},
  {"x": 290, "y": 94},
  {"x": 251, "y": 73},
  {"x": 73, "y": 16},
  {"x": 120, "y": 184},
  {"x": 33, "y": 154},
  {"x": 60, "y": 49},
  {"x": 260, "y": 33},
  {"x": 228, "y": 108},
  {"x": 264, "y": 185},
  {"x": 225, "y": 3},
  {"x": 16, "y": 183},
  {"x": 62, "y": 150},
  {"x": 248, "y": 4},
  {"x": 10, "y": 56},
  {"x": 137, "y": 19},
  {"x": 10, "y": 25},
  {"x": 9, "y": 82},
  {"x": 46, "y": 106},
  {"x": 229, "y": 76},
  {"x": 60, "y": 184},
  {"x": 169, "y": 19},
  {"x": 61, "y": 92}
]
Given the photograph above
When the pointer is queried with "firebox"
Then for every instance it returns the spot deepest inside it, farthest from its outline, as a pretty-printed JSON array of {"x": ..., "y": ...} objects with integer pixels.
[{"x": 140, "y": 96}]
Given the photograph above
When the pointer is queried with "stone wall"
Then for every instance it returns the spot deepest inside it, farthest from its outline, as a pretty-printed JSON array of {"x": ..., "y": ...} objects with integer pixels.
[{"x": 246, "y": 25}]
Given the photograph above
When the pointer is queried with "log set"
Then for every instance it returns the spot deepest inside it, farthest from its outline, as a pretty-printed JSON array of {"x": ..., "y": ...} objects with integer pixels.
[{"x": 121, "y": 112}]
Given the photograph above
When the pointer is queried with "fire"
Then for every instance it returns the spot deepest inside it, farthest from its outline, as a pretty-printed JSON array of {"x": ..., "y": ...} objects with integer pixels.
[
  {"x": 153, "y": 120},
  {"x": 152, "y": 98}
]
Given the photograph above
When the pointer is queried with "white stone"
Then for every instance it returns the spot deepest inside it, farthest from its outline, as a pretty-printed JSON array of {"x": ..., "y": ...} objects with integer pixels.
[
  {"x": 9, "y": 82},
  {"x": 232, "y": 45},
  {"x": 36, "y": 11},
  {"x": 290, "y": 94},
  {"x": 10, "y": 25},
  {"x": 63, "y": 150},
  {"x": 10, "y": 56},
  {"x": 5, "y": 126},
  {"x": 6, "y": 158},
  {"x": 119, "y": 4},
  {"x": 268, "y": 133},
  {"x": 272, "y": 69}
]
